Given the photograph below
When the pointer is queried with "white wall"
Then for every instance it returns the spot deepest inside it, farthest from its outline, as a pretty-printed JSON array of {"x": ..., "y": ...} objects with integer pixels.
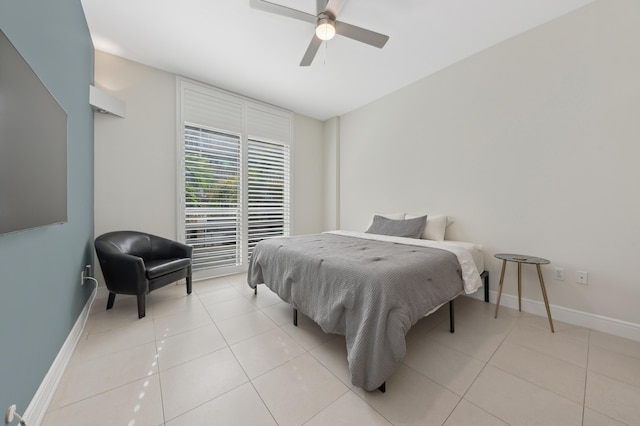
[
  {"x": 308, "y": 176},
  {"x": 135, "y": 157},
  {"x": 331, "y": 144},
  {"x": 532, "y": 146}
]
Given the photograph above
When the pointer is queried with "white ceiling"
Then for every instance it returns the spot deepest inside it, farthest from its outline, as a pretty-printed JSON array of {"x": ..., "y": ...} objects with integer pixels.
[{"x": 229, "y": 45}]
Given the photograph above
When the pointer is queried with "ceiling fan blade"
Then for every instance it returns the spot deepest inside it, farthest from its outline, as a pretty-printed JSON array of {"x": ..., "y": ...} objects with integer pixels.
[
  {"x": 282, "y": 10},
  {"x": 363, "y": 35},
  {"x": 334, "y": 6},
  {"x": 321, "y": 5},
  {"x": 311, "y": 51}
]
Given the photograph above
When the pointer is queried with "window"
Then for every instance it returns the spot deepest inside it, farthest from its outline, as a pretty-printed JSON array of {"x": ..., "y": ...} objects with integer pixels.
[
  {"x": 234, "y": 176},
  {"x": 212, "y": 218}
]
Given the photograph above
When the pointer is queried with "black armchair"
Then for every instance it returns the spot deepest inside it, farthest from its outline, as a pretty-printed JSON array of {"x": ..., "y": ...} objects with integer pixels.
[{"x": 137, "y": 263}]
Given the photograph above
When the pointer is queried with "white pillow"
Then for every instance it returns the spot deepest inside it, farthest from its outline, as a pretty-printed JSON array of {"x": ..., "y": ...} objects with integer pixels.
[
  {"x": 435, "y": 227},
  {"x": 394, "y": 216}
]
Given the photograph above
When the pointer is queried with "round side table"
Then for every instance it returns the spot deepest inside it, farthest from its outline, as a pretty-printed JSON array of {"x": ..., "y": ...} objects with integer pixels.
[{"x": 520, "y": 259}]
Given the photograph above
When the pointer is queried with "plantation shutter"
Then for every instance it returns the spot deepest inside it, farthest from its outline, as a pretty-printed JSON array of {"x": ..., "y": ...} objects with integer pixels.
[
  {"x": 269, "y": 133},
  {"x": 212, "y": 211},
  {"x": 268, "y": 191},
  {"x": 235, "y": 174},
  {"x": 212, "y": 110}
]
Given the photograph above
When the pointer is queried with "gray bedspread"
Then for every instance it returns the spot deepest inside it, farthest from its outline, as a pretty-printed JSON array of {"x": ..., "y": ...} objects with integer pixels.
[{"x": 370, "y": 291}]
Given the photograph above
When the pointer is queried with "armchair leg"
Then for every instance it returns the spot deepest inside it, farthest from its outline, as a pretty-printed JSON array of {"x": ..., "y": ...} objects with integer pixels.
[
  {"x": 189, "y": 284},
  {"x": 141, "y": 305},
  {"x": 112, "y": 298}
]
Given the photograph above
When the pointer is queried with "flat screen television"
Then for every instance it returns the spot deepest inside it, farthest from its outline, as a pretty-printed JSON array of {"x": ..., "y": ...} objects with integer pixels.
[{"x": 33, "y": 147}]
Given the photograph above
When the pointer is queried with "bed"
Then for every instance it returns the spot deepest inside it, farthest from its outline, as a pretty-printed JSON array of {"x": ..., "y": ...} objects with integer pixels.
[{"x": 370, "y": 288}]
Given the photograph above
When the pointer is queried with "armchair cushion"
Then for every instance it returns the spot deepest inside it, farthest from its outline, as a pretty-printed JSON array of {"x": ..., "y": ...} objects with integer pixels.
[
  {"x": 136, "y": 263},
  {"x": 158, "y": 267}
]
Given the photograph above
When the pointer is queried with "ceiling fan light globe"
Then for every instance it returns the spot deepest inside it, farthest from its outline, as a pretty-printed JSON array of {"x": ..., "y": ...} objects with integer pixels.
[{"x": 325, "y": 30}]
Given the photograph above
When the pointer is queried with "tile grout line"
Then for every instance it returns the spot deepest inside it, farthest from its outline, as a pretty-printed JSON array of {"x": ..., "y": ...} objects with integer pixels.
[
  {"x": 551, "y": 356},
  {"x": 586, "y": 383},
  {"x": 158, "y": 358},
  {"x": 486, "y": 363},
  {"x": 246, "y": 374},
  {"x": 557, "y": 333},
  {"x": 586, "y": 377},
  {"x": 155, "y": 342},
  {"x": 87, "y": 397},
  {"x": 278, "y": 366},
  {"x": 307, "y": 352},
  {"x": 227, "y": 346}
]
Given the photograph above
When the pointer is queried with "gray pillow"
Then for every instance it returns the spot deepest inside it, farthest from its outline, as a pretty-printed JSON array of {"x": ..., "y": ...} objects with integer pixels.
[{"x": 409, "y": 228}]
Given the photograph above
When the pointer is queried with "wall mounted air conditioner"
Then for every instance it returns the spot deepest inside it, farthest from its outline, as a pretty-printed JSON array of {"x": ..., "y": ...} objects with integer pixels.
[{"x": 105, "y": 103}]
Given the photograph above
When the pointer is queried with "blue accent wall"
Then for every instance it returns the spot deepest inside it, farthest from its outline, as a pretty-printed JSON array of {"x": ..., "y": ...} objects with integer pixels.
[{"x": 40, "y": 293}]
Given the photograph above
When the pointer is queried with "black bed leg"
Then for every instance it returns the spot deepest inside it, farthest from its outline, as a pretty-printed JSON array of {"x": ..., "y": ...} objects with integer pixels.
[
  {"x": 295, "y": 317},
  {"x": 255, "y": 289},
  {"x": 485, "y": 281},
  {"x": 452, "y": 327},
  {"x": 383, "y": 387}
]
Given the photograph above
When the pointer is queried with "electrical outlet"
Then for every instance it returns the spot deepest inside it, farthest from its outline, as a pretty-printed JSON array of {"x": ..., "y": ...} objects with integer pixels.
[
  {"x": 582, "y": 277},
  {"x": 558, "y": 273},
  {"x": 86, "y": 273}
]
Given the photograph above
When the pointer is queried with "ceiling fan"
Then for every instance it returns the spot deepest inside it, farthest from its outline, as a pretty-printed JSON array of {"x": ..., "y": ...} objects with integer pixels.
[{"x": 326, "y": 26}]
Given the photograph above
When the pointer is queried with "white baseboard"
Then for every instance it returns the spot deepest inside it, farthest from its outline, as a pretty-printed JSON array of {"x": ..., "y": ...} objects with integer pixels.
[
  {"x": 620, "y": 328},
  {"x": 34, "y": 414}
]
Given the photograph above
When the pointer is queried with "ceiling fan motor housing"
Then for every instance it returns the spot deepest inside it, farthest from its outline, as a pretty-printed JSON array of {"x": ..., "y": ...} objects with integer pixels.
[{"x": 326, "y": 26}]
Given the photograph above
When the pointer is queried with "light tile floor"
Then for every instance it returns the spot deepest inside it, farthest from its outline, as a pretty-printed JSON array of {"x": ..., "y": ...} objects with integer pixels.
[{"x": 224, "y": 356}]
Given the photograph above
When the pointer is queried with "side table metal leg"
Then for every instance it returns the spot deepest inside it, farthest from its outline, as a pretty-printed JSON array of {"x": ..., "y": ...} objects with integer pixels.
[
  {"x": 544, "y": 295},
  {"x": 519, "y": 287},
  {"x": 504, "y": 264}
]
